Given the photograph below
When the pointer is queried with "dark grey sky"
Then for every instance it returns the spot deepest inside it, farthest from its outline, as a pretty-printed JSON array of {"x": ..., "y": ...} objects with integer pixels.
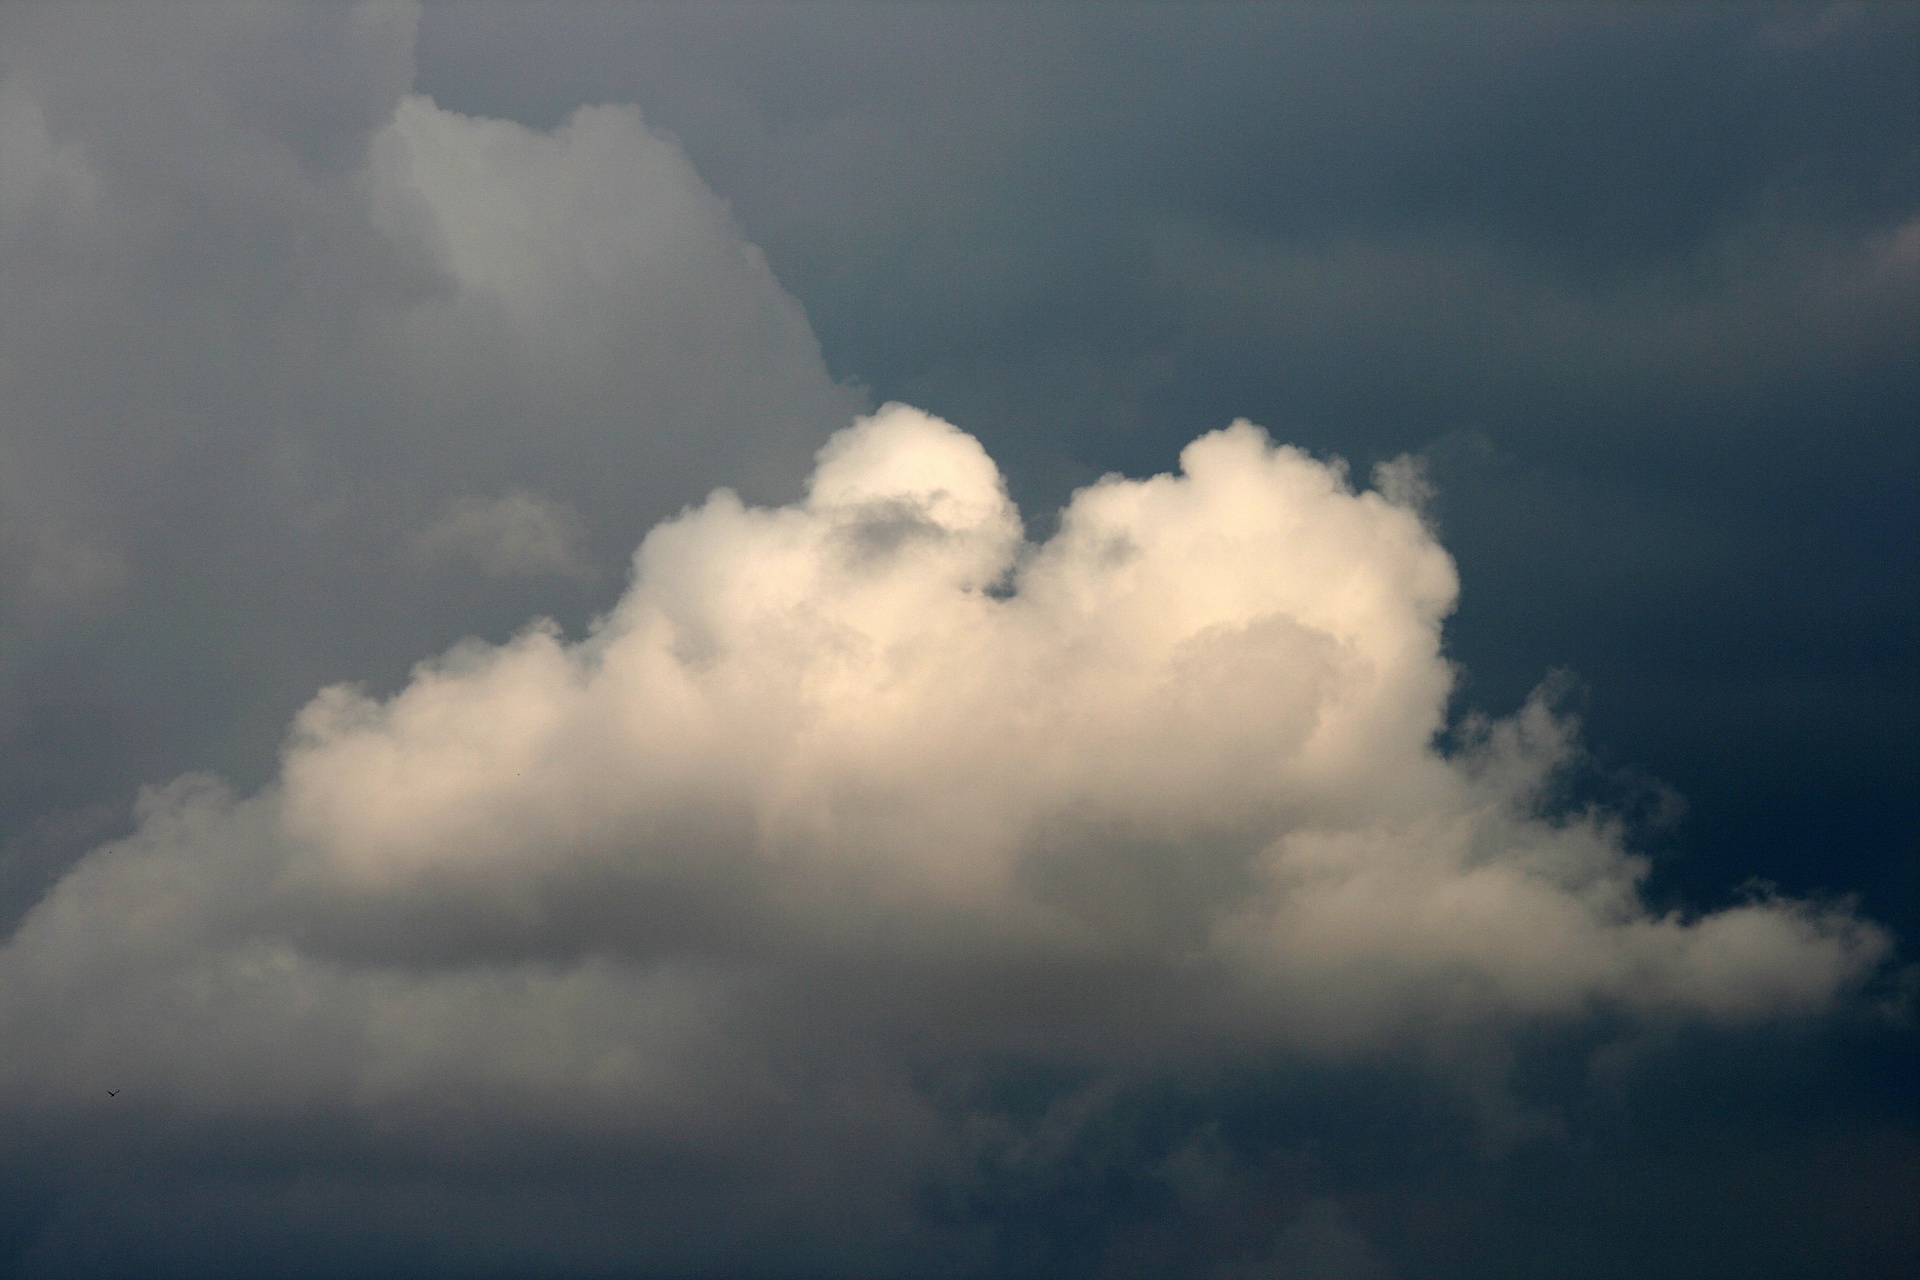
[{"x": 301, "y": 385}]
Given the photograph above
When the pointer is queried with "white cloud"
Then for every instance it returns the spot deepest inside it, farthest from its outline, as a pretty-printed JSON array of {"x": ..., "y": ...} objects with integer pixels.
[{"x": 848, "y": 786}]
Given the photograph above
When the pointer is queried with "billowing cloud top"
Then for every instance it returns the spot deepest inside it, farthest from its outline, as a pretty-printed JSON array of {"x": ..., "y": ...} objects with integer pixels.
[{"x": 845, "y": 787}]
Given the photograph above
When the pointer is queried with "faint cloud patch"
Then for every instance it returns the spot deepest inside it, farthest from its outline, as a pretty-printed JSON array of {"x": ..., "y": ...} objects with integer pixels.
[
  {"x": 516, "y": 535},
  {"x": 58, "y": 573},
  {"x": 33, "y": 167},
  {"x": 1320, "y": 1244},
  {"x": 1404, "y": 482}
]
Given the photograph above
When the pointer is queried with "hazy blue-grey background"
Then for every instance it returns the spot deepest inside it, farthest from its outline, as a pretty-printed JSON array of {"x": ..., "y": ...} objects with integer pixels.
[{"x": 1641, "y": 284}]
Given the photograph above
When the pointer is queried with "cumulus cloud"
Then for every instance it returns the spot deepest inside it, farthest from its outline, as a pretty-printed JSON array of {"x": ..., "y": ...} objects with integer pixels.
[
  {"x": 850, "y": 793},
  {"x": 825, "y": 904}
]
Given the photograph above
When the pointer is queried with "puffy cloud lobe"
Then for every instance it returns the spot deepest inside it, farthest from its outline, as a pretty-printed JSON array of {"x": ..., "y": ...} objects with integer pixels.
[
  {"x": 842, "y": 681},
  {"x": 845, "y": 784},
  {"x": 1197, "y": 721}
]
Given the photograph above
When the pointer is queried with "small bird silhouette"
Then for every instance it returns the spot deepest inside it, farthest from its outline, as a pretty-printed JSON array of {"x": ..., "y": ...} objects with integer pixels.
[{"x": 113, "y": 1093}]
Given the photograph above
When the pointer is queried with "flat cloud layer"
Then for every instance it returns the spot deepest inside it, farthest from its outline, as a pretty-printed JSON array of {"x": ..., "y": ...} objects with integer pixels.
[{"x": 841, "y": 794}]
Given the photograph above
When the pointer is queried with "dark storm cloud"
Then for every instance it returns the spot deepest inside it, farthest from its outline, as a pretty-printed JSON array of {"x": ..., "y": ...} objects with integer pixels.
[{"x": 305, "y": 378}]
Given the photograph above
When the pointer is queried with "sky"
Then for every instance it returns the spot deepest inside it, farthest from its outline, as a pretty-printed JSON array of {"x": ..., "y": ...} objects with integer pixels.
[{"x": 1236, "y": 641}]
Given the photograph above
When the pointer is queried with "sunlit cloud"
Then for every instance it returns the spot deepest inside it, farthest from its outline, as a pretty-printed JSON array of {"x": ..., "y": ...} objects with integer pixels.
[{"x": 839, "y": 787}]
